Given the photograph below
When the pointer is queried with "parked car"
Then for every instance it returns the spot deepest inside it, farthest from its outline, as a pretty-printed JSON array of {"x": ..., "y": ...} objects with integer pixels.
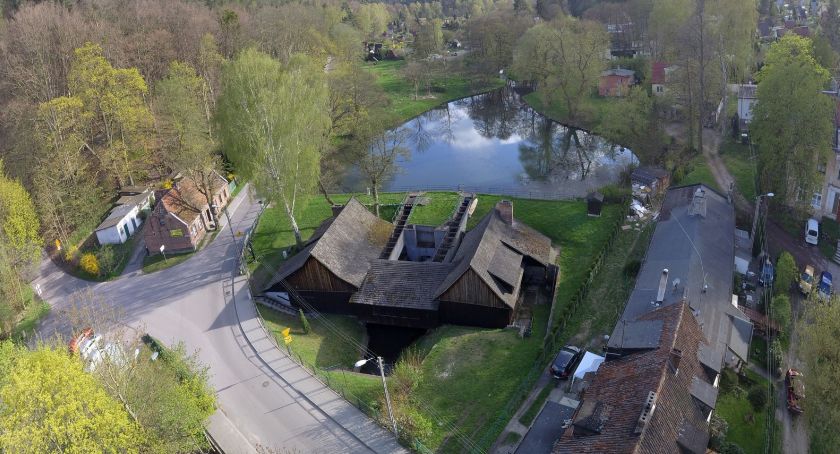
[
  {"x": 806, "y": 280},
  {"x": 795, "y": 390},
  {"x": 824, "y": 289},
  {"x": 565, "y": 362},
  {"x": 812, "y": 231},
  {"x": 767, "y": 273}
]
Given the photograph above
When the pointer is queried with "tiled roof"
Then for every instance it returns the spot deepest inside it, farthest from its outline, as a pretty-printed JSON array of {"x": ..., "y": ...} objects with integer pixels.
[
  {"x": 185, "y": 200},
  {"x": 657, "y": 74},
  {"x": 608, "y": 419}
]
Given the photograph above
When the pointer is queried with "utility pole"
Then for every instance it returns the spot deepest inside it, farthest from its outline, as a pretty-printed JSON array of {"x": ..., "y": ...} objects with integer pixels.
[{"x": 387, "y": 397}]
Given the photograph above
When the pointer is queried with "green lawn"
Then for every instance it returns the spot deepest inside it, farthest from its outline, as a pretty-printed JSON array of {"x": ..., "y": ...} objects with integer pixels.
[
  {"x": 330, "y": 354},
  {"x": 400, "y": 91},
  {"x": 152, "y": 263},
  {"x": 439, "y": 209},
  {"x": 738, "y": 161},
  {"x": 32, "y": 313},
  {"x": 747, "y": 427},
  {"x": 758, "y": 351},
  {"x": 699, "y": 173}
]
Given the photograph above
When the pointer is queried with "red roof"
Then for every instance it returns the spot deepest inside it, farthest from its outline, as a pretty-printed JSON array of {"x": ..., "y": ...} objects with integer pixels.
[{"x": 658, "y": 72}]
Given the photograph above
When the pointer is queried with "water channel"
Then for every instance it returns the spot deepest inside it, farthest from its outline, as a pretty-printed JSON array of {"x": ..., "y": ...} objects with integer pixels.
[{"x": 496, "y": 143}]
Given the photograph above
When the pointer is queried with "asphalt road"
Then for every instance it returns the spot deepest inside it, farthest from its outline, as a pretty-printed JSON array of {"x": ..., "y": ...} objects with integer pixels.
[
  {"x": 188, "y": 303},
  {"x": 546, "y": 430}
]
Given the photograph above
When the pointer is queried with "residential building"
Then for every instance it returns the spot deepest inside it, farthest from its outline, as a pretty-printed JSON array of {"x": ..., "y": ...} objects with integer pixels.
[
  {"x": 182, "y": 217},
  {"x": 680, "y": 327},
  {"x": 420, "y": 276},
  {"x": 826, "y": 202},
  {"x": 746, "y": 102},
  {"x": 660, "y": 77},
  {"x": 616, "y": 82},
  {"x": 126, "y": 217}
]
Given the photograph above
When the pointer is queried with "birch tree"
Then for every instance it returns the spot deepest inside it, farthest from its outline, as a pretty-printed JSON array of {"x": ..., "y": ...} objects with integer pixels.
[
  {"x": 273, "y": 123},
  {"x": 377, "y": 153}
]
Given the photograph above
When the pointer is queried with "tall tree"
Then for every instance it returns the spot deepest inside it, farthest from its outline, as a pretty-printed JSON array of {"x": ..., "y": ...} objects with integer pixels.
[
  {"x": 273, "y": 123},
  {"x": 565, "y": 57},
  {"x": 49, "y": 404},
  {"x": 120, "y": 120},
  {"x": 792, "y": 120},
  {"x": 376, "y": 152},
  {"x": 19, "y": 224},
  {"x": 185, "y": 130},
  {"x": 820, "y": 351}
]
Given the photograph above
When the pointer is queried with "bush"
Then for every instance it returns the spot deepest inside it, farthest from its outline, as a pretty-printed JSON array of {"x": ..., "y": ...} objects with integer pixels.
[
  {"x": 781, "y": 311},
  {"x": 107, "y": 259},
  {"x": 718, "y": 427},
  {"x": 757, "y": 397},
  {"x": 728, "y": 380},
  {"x": 304, "y": 322},
  {"x": 786, "y": 273},
  {"x": 631, "y": 269},
  {"x": 71, "y": 254},
  {"x": 89, "y": 264},
  {"x": 614, "y": 193},
  {"x": 731, "y": 448}
]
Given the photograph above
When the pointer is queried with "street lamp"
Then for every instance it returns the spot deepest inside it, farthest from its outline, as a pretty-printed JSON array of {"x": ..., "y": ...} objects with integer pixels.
[
  {"x": 361, "y": 363},
  {"x": 758, "y": 199},
  {"x": 230, "y": 224}
]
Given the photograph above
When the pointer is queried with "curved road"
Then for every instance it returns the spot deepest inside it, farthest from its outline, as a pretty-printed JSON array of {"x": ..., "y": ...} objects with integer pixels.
[{"x": 193, "y": 303}]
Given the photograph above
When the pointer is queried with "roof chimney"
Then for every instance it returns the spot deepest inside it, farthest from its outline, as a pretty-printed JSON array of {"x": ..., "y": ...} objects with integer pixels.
[
  {"x": 663, "y": 285},
  {"x": 647, "y": 412},
  {"x": 698, "y": 203},
  {"x": 674, "y": 360},
  {"x": 505, "y": 209}
]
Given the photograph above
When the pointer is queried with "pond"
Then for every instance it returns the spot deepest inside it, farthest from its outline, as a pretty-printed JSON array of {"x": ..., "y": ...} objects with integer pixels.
[{"x": 495, "y": 143}]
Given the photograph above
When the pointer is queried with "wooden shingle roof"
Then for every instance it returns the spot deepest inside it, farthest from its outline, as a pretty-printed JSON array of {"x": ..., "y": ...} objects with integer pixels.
[
  {"x": 346, "y": 245},
  {"x": 398, "y": 283}
]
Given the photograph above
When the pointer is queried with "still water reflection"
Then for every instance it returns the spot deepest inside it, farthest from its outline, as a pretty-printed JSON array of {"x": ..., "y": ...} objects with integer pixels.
[{"x": 495, "y": 143}]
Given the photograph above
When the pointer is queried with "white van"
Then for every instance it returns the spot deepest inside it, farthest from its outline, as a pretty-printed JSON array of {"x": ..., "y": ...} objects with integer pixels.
[{"x": 812, "y": 231}]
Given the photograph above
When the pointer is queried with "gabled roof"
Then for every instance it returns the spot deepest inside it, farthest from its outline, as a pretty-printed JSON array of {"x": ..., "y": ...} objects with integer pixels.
[
  {"x": 494, "y": 250},
  {"x": 699, "y": 252},
  {"x": 115, "y": 216},
  {"x": 618, "y": 72},
  {"x": 647, "y": 175},
  {"x": 616, "y": 398},
  {"x": 657, "y": 74},
  {"x": 405, "y": 284},
  {"x": 346, "y": 245},
  {"x": 747, "y": 91},
  {"x": 185, "y": 200}
]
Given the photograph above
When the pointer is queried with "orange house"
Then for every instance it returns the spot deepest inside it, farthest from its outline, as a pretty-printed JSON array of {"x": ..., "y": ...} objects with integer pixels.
[{"x": 616, "y": 82}]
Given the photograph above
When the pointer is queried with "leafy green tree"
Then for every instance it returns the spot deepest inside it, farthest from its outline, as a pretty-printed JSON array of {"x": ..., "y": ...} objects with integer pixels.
[
  {"x": 185, "y": 130},
  {"x": 19, "y": 224},
  {"x": 565, "y": 58},
  {"x": 49, "y": 404},
  {"x": 819, "y": 348},
  {"x": 786, "y": 273},
  {"x": 273, "y": 123},
  {"x": 119, "y": 118},
  {"x": 631, "y": 121},
  {"x": 792, "y": 121},
  {"x": 781, "y": 311}
]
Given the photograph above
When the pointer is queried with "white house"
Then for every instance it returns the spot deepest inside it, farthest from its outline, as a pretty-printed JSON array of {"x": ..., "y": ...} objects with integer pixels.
[
  {"x": 746, "y": 101},
  {"x": 124, "y": 219}
]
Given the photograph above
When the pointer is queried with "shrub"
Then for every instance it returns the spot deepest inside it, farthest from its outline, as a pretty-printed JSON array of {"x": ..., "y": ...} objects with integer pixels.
[
  {"x": 89, "y": 264},
  {"x": 107, "y": 259},
  {"x": 781, "y": 312},
  {"x": 776, "y": 351},
  {"x": 730, "y": 448},
  {"x": 408, "y": 372},
  {"x": 631, "y": 269},
  {"x": 757, "y": 397},
  {"x": 728, "y": 380},
  {"x": 786, "y": 273},
  {"x": 718, "y": 427},
  {"x": 614, "y": 193},
  {"x": 71, "y": 254},
  {"x": 304, "y": 322}
]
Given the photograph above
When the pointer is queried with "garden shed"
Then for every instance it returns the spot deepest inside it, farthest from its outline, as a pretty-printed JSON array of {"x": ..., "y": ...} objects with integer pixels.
[
  {"x": 594, "y": 204},
  {"x": 124, "y": 219}
]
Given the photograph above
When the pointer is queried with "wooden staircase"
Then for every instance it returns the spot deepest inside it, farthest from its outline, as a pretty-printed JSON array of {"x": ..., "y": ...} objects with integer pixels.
[
  {"x": 400, "y": 221},
  {"x": 452, "y": 227}
]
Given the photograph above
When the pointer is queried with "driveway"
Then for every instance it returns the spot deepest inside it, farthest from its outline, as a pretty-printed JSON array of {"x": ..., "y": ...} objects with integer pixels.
[
  {"x": 547, "y": 428},
  {"x": 191, "y": 303}
]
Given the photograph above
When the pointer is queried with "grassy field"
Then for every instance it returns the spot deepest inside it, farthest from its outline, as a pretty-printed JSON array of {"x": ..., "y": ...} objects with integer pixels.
[
  {"x": 747, "y": 427},
  {"x": 444, "y": 88},
  {"x": 700, "y": 173},
  {"x": 438, "y": 210},
  {"x": 738, "y": 161},
  {"x": 325, "y": 350},
  {"x": 593, "y": 110}
]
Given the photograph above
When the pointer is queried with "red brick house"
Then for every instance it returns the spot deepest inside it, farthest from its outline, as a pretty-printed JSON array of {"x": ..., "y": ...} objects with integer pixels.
[
  {"x": 616, "y": 82},
  {"x": 182, "y": 217}
]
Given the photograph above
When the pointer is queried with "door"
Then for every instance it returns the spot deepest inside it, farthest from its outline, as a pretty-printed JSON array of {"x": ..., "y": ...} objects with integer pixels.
[{"x": 125, "y": 228}]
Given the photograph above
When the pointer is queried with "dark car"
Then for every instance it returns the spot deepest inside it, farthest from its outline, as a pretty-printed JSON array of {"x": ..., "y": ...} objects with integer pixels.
[
  {"x": 767, "y": 274},
  {"x": 824, "y": 288},
  {"x": 565, "y": 362}
]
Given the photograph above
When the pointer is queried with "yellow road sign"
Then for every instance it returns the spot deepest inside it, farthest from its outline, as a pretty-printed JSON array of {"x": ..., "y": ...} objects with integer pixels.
[{"x": 286, "y": 332}]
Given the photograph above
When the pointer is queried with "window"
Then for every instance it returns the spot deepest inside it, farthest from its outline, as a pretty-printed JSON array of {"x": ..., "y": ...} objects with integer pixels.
[
  {"x": 821, "y": 167},
  {"x": 659, "y": 89},
  {"x": 816, "y": 201},
  {"x": 192, "y": 230},
  {"x": 176, "y": 233}
]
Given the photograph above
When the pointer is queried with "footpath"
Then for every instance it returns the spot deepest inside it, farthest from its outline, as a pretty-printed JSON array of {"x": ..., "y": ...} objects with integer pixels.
[{"x": 299, "y": 381}]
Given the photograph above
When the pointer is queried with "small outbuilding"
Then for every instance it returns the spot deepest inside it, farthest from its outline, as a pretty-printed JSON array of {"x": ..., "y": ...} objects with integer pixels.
[
  {"x": 616, "y": 82},
  {"x": 649, "y": 180},
  {"x": 125, "y": 218},
  {"x": 594, "y": 204}
]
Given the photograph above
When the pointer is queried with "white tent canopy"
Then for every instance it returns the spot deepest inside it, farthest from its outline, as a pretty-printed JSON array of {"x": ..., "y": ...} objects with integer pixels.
[{"x": 589, "y": 363}]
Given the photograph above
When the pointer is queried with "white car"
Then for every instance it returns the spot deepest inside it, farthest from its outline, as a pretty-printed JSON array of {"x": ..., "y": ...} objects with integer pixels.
[{"x": 812, "y": 231}]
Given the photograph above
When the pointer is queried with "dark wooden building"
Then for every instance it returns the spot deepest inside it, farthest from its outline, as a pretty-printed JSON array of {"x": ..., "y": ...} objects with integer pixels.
[{"x": 480, "y": 284}]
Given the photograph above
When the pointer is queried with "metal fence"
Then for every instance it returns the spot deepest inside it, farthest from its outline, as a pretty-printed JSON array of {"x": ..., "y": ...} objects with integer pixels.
[{"x": 560, "y": 193}]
